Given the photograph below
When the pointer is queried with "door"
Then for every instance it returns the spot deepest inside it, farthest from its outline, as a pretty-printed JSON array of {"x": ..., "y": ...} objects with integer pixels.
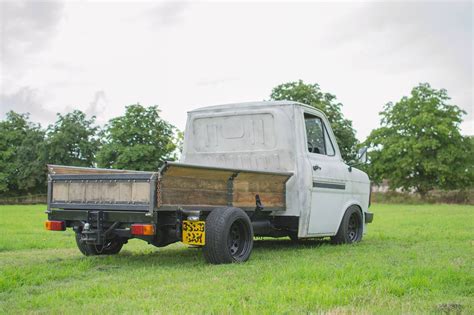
[{"x": 329, "y": 175}]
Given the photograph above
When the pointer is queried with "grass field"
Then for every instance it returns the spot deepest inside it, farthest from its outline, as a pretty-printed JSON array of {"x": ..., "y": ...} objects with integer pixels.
[{"x": 414, "y": 259}]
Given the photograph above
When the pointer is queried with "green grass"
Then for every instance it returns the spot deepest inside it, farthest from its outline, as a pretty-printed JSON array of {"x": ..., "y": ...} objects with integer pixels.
[{"x": 414, "y": 259}]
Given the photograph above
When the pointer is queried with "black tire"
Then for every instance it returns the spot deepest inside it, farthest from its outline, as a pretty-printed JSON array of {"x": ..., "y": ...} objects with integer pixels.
[
  {"x": 229, "y": 236},
  {"x": 351, "y": 228},
  {"x": 111, "y": 247}
]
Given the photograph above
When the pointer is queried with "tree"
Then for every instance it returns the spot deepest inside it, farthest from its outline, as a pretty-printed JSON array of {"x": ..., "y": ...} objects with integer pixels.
[
  {"x": 73, "y": 140},
  {"x": 312, "y": 95},
  {"x": 419, "y": 145},
  {"x": 139, "y": 140},
  {"x": 22, "y": 156}
]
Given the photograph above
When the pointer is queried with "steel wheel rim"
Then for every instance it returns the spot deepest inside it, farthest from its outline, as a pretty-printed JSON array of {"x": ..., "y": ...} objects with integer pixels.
[
  {"x": 353, "y": 229},
  {"x": 237, "y": 240}
]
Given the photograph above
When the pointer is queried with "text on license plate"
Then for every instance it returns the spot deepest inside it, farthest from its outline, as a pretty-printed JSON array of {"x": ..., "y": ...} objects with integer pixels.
[{"x": 194, "y": 232}]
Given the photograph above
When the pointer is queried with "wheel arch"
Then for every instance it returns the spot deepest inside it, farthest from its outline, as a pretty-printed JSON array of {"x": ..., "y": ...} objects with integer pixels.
[{"x": 352, "y": 203}]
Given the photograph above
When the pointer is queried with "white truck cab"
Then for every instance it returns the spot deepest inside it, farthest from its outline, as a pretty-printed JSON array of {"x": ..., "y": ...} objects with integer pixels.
[{"x": 282, "y": 136}]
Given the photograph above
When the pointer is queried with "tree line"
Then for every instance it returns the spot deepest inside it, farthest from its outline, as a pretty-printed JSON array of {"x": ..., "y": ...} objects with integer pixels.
[
  {"x": 418, "y": 145},
  {"x": 138, "y": 140}
]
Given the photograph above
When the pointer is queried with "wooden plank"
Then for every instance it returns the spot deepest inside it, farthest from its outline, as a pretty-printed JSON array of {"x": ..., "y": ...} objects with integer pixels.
[
  {"x": 262, "y": 176},
  {"x": 262, "y": 186},
  {"x": 141, "y": 192},
  {"x": 62, "y": 169},
  {"x": 109, "y": 192},
  {"x": 247, "y": 199},
  {"x": 193, "y": 183},
  {"x": 60, "y": 192},
  {"x": 92, "y": 191},
  {"x": 193, "y": 197},
  {"x": 76, "y": 192},
  {"x": 175, "y": 171},
  {"x": 125, "y": 192}
]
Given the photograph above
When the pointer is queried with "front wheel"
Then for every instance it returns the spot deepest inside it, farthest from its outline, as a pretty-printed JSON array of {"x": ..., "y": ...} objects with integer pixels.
[
  {"x": 351, "y": 228},
  {"x": 229, "y": 236},
  {"x": 111, "y": 247}
]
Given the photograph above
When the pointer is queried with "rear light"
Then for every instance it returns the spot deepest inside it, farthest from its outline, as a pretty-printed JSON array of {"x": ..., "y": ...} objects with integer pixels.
[
  {"x": 55, "y": 225},
  {"x": 143, "y": 229}
]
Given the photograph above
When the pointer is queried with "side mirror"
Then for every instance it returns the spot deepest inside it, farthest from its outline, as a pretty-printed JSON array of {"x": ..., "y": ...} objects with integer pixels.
[
  {"x": 361, "y": 158},
  {"x": 362, "y": 155}
]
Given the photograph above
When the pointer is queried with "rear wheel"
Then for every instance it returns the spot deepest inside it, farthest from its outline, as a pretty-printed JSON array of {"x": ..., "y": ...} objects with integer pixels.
[
  {"x": 229, "y": 236},
  {"x": 111, "y": 247},
  {"x": 351, "y": 228}
]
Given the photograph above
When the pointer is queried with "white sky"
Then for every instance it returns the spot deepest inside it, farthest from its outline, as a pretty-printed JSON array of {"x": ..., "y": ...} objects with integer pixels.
[{"x": 101, "y": 56}]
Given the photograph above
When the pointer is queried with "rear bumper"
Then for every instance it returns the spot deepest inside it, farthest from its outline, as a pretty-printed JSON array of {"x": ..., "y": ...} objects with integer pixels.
[
  {"x": 107, "y": 216},
  {"x": 98, "y": 226},
  {"x": 369, "y": 217}
]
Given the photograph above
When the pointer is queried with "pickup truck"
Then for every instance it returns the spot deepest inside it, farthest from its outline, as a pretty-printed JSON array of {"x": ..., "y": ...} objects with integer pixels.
[{"x": 270, "y": 169}]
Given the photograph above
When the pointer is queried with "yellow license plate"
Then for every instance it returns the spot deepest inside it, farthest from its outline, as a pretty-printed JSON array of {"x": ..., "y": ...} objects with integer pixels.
[{"x": 194, "y": 232}]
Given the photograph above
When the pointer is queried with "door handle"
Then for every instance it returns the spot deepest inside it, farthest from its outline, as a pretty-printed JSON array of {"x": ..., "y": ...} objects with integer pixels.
[{"x": 316, "y": 167}]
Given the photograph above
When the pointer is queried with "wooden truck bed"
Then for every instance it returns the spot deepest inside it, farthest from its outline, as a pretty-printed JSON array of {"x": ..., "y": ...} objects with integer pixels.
[{"x": 175, "y": 186}]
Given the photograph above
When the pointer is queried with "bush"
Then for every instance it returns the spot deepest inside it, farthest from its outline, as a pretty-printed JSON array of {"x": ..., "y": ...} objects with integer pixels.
[
  {"x": 23, "y": 200},
  {"x": 434, "y": 196}
]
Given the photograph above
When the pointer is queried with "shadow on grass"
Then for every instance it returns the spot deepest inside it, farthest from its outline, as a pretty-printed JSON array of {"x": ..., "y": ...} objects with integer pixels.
[
  {"x": 285, "y": 243},
  {"x": 187, "y": 257},
  {"x": 158, "y": 256}
]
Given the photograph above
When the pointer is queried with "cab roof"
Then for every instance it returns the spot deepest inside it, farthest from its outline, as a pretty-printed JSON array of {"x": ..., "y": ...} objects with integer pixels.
[{"x": 250, "y": 105}]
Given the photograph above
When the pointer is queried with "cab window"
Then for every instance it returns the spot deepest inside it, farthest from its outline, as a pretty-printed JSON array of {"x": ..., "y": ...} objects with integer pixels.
[
  {"x": 317, "y": 136},
  {"x": 329, "y": 146}
]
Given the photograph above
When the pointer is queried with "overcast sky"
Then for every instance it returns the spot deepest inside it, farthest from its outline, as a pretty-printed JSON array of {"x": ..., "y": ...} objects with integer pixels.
[{"x": 101, "y": 56}]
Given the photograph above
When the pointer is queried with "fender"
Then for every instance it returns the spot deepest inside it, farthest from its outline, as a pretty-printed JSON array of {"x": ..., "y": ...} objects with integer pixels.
[{"x": 349, "y": 203}]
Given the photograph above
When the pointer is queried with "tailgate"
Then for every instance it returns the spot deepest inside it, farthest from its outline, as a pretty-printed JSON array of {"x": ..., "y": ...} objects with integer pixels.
[{"x": 101, "y": 189}]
